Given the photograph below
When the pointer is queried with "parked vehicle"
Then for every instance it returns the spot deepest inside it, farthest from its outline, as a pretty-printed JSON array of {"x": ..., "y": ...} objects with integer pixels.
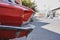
[{"x": 12, "y": 19}]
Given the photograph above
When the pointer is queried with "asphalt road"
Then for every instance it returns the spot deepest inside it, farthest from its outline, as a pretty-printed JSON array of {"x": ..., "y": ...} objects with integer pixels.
[{"x": 45, "y": 29}]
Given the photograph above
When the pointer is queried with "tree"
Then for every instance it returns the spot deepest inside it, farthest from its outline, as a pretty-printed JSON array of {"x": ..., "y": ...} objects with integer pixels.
[{"x": 29, "y": 4}]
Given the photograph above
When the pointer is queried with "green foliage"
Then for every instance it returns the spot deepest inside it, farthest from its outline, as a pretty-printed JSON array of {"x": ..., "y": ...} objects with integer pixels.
[{"x": 29, "y": 4}]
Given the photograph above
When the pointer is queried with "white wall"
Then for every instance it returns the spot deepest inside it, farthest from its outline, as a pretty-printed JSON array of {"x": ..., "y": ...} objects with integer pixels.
[{"x": 45, "y": 5}]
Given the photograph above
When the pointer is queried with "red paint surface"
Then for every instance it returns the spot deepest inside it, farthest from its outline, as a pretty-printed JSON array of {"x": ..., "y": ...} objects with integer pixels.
[{"x": 13, "y": 16}]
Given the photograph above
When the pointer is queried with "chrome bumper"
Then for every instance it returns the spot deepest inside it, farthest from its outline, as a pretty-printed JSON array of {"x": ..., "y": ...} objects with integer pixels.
[
  {"x": 28, "y": 27},
  {"x": 25, "y": 27}
]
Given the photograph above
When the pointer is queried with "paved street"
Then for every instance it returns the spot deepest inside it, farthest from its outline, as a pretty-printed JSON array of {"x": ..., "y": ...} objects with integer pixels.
[{"x": 46, "y": 29}]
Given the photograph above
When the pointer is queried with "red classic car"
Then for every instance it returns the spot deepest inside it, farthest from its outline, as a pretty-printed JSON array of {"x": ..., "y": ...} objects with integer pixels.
[{"x": 12, "y": 20}]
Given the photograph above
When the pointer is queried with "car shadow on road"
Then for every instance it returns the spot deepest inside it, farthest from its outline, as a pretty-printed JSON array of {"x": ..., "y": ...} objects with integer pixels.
[{"x": 40, "y": 33}]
